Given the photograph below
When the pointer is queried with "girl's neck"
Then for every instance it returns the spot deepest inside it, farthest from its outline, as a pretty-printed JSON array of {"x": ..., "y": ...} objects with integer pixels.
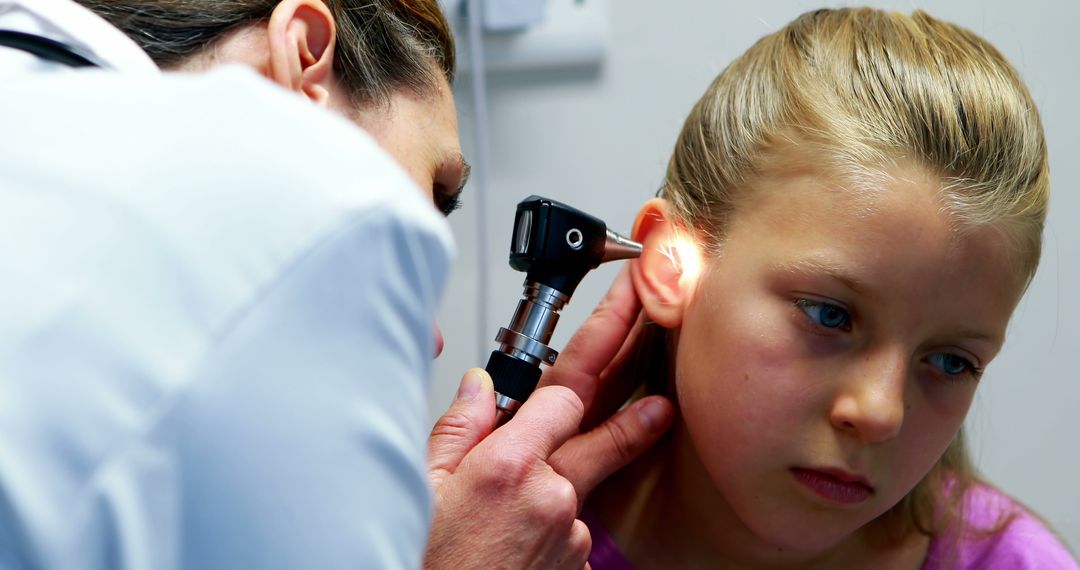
[{"x": 663, "y": 511}]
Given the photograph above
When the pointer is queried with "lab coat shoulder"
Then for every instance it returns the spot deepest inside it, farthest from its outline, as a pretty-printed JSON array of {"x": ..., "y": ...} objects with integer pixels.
[
  {"x": 218, "y": 302},
  {"x": 224, "y": 175}
]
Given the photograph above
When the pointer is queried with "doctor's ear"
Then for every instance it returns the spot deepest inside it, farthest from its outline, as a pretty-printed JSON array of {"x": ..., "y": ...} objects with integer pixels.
[
  {"x": 666, "y": 273},
  {"x": 301, "y": 36}
]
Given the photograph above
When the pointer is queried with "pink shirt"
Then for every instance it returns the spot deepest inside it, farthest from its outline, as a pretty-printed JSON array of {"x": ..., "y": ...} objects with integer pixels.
[{"x": 1025, "y": 544}]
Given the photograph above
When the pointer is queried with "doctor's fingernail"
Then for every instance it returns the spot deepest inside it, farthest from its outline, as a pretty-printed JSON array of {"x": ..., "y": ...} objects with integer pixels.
[
  {"x": 653, "y": 414},
  {"x": 470, "y": 385}
]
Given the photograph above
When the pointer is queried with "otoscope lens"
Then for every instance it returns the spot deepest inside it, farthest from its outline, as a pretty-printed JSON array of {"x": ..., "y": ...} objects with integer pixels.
[{"x": 522, "y": 231}]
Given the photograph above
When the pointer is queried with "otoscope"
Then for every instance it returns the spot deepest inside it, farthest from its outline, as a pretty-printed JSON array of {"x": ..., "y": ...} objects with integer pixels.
[{"x": 555, "y": 245}]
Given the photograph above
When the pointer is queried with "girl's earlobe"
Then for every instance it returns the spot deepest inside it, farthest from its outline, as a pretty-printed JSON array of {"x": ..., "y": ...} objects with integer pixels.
[{"x": 666, "y": 273}]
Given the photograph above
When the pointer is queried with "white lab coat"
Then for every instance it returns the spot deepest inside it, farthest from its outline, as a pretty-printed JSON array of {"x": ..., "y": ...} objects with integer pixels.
[{"x": 216, "y": 309}]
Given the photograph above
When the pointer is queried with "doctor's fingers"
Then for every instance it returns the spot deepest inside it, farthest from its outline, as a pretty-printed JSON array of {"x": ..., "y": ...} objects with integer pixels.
[
  {"x": 503, "y": 505},
  {"x": 470, "y": 419},
  {"x": 566, "y": 547},
  {"x": 487, "y": 518},
  {"x": 576, "y": 550},
  {"x": 589, "y": 458},
  {"x": 600, "y": 345},
  {"x": 479, "y": 523},
  {"x": 550, "y": 417}
]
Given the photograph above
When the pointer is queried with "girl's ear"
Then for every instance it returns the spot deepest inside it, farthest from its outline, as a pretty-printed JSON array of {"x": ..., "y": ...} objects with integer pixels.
[
  {"x": 658, "y": 274},
  {"x": 301, "y": 36}
]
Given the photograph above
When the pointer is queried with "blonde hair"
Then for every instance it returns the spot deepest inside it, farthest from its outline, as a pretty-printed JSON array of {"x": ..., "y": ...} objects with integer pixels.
[{"x": 867, "y": 90}]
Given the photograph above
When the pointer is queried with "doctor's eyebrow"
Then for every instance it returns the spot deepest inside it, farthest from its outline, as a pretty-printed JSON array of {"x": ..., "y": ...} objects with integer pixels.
[{"x": 466, "y": 171}]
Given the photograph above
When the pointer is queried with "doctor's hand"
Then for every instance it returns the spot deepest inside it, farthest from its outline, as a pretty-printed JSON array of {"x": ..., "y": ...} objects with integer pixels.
[
  {"x": 511, "y": 500},
  {"x": 595, "y": 365},
  {"x": 498, "y": 504}
]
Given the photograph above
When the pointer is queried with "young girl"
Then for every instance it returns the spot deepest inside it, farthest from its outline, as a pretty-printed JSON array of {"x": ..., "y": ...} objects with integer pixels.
[{"x": 850, "y": 217}]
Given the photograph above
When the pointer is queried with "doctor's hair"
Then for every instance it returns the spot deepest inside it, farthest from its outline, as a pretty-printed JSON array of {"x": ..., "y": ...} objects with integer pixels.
[
  {"x": 382, "y": 45},
  {"x": 860, "y": 93}
]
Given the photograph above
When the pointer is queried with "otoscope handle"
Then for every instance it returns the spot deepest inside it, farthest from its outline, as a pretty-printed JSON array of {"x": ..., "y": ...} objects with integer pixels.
[
  {"x": 512, "y": 377},
  {"x": 514, "y": 381}
]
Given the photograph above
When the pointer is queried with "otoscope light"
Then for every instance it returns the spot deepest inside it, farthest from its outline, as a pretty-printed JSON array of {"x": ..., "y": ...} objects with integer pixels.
[
  {"x": 556, "y": 245},
  {"x": 522, "y": 232}
]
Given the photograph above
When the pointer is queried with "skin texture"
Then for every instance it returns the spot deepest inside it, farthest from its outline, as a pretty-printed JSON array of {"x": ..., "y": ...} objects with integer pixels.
[{"x": 765, "y": 386}]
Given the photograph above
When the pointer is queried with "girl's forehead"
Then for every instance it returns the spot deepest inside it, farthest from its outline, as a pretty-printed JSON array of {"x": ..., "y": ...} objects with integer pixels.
[
  {"x": 797, "y": 189},
  {"x": 885, "y": 230},
  {"x": 894, "y": 199}
]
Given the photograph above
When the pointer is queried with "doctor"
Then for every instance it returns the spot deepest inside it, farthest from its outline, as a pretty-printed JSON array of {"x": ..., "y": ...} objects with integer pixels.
[{"x": 218, "y": 299}]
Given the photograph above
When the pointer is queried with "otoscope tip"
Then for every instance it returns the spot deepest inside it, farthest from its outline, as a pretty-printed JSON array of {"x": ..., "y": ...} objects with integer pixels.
[{"x": 620, "y": 247}]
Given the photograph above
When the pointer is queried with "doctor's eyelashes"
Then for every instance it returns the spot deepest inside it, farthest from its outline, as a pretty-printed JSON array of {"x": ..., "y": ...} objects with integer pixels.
[{"x": 447, "y": 202}]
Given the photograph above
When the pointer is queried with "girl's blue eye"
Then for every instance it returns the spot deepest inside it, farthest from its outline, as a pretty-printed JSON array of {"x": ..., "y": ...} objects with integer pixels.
[
  {"x": 952, "y": 364},
  {"x": 825, "y": 314}
]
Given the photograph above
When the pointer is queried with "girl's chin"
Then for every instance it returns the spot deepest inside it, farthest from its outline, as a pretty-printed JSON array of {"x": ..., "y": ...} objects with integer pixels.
[{"x": 808, "y": 537}]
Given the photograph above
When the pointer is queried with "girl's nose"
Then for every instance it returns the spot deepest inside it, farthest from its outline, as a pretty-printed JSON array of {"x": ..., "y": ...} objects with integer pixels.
[{"x": 871, "y": 405}]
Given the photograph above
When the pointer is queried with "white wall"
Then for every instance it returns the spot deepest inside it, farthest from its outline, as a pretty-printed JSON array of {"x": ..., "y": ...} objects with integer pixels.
[{"x": 600, "y": 140}]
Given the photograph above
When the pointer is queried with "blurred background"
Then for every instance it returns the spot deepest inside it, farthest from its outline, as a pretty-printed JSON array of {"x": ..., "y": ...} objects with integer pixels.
[{"x": 583, "y": 105}]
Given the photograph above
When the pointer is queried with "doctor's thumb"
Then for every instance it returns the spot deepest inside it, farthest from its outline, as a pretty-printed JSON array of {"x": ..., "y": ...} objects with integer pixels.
[{"x": 469, "y": 420}]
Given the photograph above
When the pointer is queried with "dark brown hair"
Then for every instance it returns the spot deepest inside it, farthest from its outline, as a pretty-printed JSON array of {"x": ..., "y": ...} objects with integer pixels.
[{"x": 382, "y": 45}]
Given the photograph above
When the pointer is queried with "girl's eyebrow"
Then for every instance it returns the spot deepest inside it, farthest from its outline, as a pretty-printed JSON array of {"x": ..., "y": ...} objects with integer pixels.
[
  {"x": 822, "y": 265},
  {"x": 981, "y": 336}
]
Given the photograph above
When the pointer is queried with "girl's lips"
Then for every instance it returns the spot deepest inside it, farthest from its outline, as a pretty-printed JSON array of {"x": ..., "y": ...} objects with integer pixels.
[{"x": 834, "y": 485}]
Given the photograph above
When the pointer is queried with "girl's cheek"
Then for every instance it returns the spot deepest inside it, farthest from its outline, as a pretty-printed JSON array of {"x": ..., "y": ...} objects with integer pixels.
[
  {"x": 743, "y": 371},
  {"x": 936, "y": 411},
  {"x": 946, "y": 398}
]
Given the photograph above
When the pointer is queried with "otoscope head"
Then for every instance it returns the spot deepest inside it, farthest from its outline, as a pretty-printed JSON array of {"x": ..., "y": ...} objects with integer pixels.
[{"x": 556, "y": 245}]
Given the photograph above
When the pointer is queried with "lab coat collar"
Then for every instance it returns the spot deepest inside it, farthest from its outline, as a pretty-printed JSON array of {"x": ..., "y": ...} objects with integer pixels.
[{"x": 71, "y": 23}]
